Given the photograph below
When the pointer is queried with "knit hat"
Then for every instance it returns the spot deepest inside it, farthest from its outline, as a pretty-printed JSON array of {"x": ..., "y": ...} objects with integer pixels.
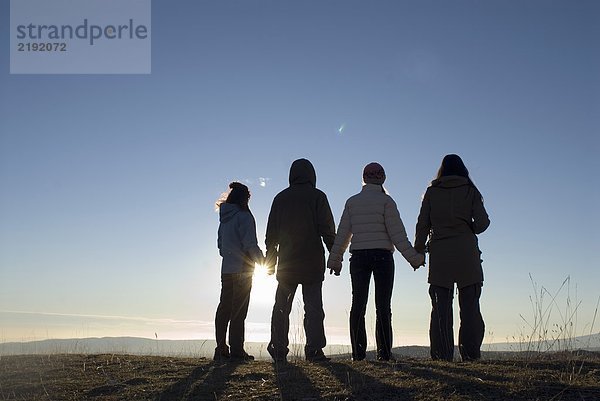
[{"x": 374, "y": 173}]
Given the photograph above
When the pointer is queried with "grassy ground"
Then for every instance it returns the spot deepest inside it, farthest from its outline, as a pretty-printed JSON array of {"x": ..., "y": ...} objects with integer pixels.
[{"x": 125, "y": 377}]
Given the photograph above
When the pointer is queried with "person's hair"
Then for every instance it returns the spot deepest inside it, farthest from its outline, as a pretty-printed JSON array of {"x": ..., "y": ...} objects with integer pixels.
[
  {"x": 239, "y": 194},
  {"x": 453, "y": 165}
]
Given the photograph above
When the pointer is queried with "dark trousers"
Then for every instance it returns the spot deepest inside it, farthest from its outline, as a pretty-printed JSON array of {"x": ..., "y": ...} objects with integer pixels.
[
  {"x": 232, "y": 310},
  {"x": 472, "y": 327},
  {"x": 313, "y": 318},
  {"x": 379, "y": 263}
]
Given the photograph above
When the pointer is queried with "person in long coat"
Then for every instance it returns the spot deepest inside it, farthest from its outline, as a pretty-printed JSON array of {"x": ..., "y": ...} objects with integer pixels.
[{"x": 452, "y": 215}]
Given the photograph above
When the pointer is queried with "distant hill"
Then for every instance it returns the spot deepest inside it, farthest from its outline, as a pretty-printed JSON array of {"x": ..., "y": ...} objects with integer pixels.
[
  {"x": 142, "y": 346},
  {"x": 589, "y": 342},
  {"x": 110, "y": 345},
  {"x": 205, "y": 348},
  {"x": 178, "y": 348}
]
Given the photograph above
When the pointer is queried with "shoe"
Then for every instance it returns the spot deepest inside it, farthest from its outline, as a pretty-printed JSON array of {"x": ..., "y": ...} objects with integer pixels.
[
  {"x": 221, "y": 354},
  {"x": 242, "y": 356},
  {"x": 278, "y": 357},
  {"x": 317, "y": 356},
  {"x": 386, "y": 358}
]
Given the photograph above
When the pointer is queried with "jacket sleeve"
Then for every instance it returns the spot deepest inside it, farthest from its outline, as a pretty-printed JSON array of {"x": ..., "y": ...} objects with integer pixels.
[
  {"x": 249, "y": 240},
  {"x": 397, "y": 233},
  {"x": 272, "y": 235},
  {"x": 325, "y": 222},
  {"x": 481, "y": 220},
  {"x": 423, "y": 224},
  {"x": 219, "y": 240},
  {"x": 342, "y": 239}
]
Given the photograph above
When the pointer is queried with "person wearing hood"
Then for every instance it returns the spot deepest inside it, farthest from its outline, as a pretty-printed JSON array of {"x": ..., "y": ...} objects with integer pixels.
[
  {"x": 299, "y": 222},
  {"x": 239, "y": 249},
  {"x": 452, "y": 215},
  {"x": 372, "y": 221}
]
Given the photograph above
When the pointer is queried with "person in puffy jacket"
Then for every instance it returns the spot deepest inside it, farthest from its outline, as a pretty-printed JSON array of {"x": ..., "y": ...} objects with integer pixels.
[
  {"x": 239, "y": 249},
  {"x": 372, "y": 222},
  {"x": 451, "y": 216},
  {"x": 299, "y": 222}
]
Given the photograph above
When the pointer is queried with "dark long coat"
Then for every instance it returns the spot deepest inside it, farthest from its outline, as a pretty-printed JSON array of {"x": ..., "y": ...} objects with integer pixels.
[
  {"x": 299, "y": 222},
  {"x": 451, "y": 216}
]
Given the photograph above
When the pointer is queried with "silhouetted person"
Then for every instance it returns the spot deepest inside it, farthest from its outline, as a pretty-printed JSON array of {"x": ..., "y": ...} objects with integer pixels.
[
  {"x": 299, "y": 221},
  {"x": 372, "y": 221},
  {"x": 239, "y": 248},
  {"x": 451, "y": 216}
]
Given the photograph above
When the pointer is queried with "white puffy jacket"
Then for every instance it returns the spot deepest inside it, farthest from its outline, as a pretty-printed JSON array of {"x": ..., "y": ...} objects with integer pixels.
[{"x": 372, "y": 221}]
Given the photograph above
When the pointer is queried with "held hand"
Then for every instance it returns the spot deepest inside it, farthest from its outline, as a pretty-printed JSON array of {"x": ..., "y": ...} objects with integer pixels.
[
  {"x": 270, "y": 262},
  {"x": 269, "y": 266},
  {"x": 334, "y": 267},
  {"x": 420, "y": 262}
]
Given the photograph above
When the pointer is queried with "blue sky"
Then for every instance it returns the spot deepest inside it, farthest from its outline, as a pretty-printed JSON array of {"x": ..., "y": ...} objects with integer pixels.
[{"x": 107, "y": 221}]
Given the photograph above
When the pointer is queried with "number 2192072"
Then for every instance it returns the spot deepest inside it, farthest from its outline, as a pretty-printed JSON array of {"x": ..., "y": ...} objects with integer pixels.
[{"x": 42, "y": 47}]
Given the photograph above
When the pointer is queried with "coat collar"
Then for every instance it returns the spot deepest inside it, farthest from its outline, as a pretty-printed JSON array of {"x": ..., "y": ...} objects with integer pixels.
[
  {"x": 450, "y": 181},
  {"x": 372, "y": 187}
]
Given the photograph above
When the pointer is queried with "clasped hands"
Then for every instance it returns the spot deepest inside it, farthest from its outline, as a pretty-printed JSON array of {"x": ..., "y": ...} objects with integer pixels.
[
  {"x": 335, "y": 267},
  {"x": 421, "y": 262},
  {"x": 269, "y": 262}
]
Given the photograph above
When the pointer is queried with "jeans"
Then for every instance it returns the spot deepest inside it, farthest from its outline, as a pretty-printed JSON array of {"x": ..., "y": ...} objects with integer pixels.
[
  {"x": 232, "y": 310},
  {"x": 472, "y": 327},
  {"x": 313, "y": 318},
  {"x": 363, "y": 263}
]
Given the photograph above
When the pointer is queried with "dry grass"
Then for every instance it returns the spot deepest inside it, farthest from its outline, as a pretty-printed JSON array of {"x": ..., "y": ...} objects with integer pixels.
[{"x": 125, "y": 377}]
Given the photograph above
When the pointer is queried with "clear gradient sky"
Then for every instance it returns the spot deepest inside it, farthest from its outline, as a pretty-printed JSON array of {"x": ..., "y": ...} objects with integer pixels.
[{"x": 108, "y": 182}]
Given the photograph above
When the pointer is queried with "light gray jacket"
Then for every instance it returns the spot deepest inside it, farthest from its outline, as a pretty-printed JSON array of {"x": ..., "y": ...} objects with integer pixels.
[
  {"x": 237, "y": 240},
  {"x": 372, "y": 221}
]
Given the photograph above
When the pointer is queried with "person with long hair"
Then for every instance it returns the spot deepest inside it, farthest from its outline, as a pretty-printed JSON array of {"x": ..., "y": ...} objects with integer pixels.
[
  {"x": 452, "y": 215},
  {"x": 372, "y": 222},
  {"x": 239, "y": 249}
]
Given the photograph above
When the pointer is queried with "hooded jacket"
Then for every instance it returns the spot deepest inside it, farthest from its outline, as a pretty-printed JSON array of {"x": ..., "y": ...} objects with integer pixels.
[
  {"x": 299, "y": 222},
  {"x": 237, "y": 240},
  {"x": 371, "y": 219},
  {"x": 452, "y": 214}
]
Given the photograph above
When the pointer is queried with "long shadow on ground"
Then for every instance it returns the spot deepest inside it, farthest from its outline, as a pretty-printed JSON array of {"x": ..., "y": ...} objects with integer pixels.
[
  {"x": 294, "y": 384},
  {"x": 366, "y": 387},
  {"x": 205, "y": 382},
  {"x": 477, "y": 381}
]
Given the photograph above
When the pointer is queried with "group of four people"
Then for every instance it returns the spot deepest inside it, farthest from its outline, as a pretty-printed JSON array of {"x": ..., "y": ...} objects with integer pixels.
[{"x": 300, "y": 221}]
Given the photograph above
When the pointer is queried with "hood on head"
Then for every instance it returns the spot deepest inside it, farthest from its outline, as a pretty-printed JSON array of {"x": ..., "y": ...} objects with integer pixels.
[
  {"x": 227, "y": 211},
  {"x": 302, "y": 172}
]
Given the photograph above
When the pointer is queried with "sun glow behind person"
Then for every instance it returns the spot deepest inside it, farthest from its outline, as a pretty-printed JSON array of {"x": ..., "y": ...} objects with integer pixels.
[{"x": 263, "y": 286}]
